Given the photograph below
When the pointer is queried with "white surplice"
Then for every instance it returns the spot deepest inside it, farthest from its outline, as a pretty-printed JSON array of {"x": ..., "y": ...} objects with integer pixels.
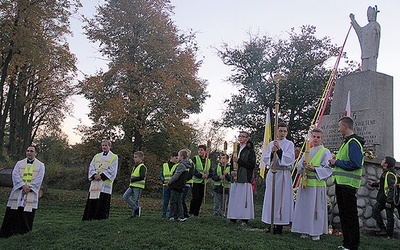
[
  {"x": 283, "y": 202},
  {"x": 311, "y": 214}
]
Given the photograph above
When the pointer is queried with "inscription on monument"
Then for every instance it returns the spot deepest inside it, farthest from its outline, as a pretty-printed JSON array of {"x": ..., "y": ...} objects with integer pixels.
[{"x": 367, "y": 124}]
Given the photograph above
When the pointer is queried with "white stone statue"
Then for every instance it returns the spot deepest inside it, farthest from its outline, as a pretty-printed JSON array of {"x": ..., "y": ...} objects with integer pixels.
[{"x": 369, "y": 37}]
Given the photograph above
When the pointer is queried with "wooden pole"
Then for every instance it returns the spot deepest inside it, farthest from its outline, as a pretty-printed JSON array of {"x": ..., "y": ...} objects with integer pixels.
[
  {"x": 275, "y": 161},
  {"x": 206, "y": 171},
  {"x": 223, "y": 181}
]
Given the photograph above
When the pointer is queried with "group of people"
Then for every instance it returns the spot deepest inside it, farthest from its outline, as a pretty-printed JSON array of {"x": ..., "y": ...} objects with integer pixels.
[{"x": 233, "y": 193}]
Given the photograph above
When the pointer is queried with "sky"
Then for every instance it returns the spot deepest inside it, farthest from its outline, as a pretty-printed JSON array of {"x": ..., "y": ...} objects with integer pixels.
[{"x": 230, "y": 21}]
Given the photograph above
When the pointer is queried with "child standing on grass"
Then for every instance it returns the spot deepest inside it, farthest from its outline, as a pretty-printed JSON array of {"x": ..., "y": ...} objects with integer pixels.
[
  {"x": 138, "y": 179},
  {"x": 177, "y": 183},
  {"x": 385, "y": 197},
  {"x": 222, "y": 182}
]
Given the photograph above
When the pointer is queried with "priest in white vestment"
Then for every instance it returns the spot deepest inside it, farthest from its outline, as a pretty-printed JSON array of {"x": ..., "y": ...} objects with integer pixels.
[{"x": 283, "y": 201}]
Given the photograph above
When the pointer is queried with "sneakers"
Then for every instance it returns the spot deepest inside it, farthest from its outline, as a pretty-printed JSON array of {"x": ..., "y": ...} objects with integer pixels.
[
  {"x": 243, "y": 224},
  {"x": 381, "y": 232},
  {"x": 315, "y": 238},
  {"x": 139, "y": 211},
  {"x": 343, "y": 248},
  {"x": 178, "y": 219},
  {"x": 304, "y": 236}
]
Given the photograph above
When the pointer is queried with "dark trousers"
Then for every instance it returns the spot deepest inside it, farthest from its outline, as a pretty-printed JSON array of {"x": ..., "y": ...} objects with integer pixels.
[
  {"x": 184, "y": 194},
  {"x": 176, "y": 204},
  {"x": 197, "y": 198},
  {"x": 348, "y": 214},
  {"x": 376, "y": 214}
]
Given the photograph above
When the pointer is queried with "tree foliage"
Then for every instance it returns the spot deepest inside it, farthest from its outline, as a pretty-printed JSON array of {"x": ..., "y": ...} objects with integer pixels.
[
  {"x": 301, "y": 61},
  {"x": 151, "y": 85},
  {"x": 36, "y": 69}
]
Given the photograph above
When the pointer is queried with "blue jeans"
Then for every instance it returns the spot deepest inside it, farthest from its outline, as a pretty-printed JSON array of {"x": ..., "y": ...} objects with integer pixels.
[
  {"x": 166, "y": 198},
  {"x": 133, "y": 202}
]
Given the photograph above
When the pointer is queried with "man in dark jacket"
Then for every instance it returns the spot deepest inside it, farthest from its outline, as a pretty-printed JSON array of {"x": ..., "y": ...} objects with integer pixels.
[
  {"x": 177, "y": 184},
  {"x": 385, "y": 197}
]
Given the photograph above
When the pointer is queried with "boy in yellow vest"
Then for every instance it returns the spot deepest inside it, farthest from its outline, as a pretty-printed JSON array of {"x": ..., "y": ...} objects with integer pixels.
[
  {"x": 138, "y": 179},
  {"x": 166, "y": 172},
  {"x": 385, "y": 197},
  {"x": 222, "y": 182}
]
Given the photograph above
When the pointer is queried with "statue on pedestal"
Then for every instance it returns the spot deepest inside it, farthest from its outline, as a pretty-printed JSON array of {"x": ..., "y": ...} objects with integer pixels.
[{"x": 369, "y": 37}]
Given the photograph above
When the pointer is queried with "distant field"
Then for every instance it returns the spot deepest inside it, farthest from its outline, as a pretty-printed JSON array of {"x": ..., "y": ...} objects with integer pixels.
[{"x": 58, "y": 225}]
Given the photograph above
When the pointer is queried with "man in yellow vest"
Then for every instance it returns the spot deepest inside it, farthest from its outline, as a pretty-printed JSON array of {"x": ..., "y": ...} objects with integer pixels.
[
  {"x": 385, "y": 197},
  {"x": 166, "y": 172},
  {"x": 347, "y": 171},
  {"x": 102, "y": 172},
  {"x": 27, "y": 177},
  {"x": 138, "y": 179},
  {"x": 310, "y": 216},
  {"x": 200, "y": 176}
]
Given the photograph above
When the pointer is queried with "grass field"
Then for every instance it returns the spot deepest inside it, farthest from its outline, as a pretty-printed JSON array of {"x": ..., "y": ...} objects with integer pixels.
[{"x": 58, "y": 225}]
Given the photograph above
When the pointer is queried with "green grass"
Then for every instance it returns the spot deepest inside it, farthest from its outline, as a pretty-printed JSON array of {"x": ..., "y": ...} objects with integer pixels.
[{"x": 58, "y": 225}]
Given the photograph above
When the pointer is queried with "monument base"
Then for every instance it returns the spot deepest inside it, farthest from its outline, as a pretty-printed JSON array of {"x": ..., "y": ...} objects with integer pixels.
[{"x": 371, "y": 102}]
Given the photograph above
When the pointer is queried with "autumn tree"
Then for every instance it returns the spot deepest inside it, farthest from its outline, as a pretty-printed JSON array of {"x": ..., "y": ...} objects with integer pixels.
[
  {"x": 300, "y": 60},
  {"x": 36, "y": 69},
  {"x": 152, "y": 83}
]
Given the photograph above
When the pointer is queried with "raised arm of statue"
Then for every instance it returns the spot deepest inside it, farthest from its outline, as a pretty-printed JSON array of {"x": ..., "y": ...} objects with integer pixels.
[
  {"x": 355, "y": 25},
  {"x": 369, "y": 38}
]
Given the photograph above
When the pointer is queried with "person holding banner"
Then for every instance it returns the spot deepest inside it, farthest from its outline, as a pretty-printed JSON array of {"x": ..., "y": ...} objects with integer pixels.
[
  {"x": 27, "y": 177},
  {"x": 102, "y": 172},
  {"x": 310, "y": 217},
  {"x": 283, "y": 207},
  {"x": 241, "y": 204}
]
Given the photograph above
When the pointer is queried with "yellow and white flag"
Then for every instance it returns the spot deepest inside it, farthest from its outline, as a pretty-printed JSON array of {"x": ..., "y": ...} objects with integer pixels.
[{"x": 267, "y": 139}]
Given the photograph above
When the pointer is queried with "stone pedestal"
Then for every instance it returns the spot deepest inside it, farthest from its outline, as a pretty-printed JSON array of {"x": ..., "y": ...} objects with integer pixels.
[{"x": 371, "y": 95}]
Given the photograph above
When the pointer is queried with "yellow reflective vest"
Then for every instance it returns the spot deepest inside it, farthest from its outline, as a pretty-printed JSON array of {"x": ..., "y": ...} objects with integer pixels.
[
  {"x": 136, "y": 173},
  {"x": 312, "y": 180},
  {"x": 201, "y": 169},
  {"x": 167, "y": 173},
  {"x": 344, "y": 177},
  {"x": 103, "y": 164},
  {"x": 386, "y": 185},
  {"x": 225, "y": 183}
]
